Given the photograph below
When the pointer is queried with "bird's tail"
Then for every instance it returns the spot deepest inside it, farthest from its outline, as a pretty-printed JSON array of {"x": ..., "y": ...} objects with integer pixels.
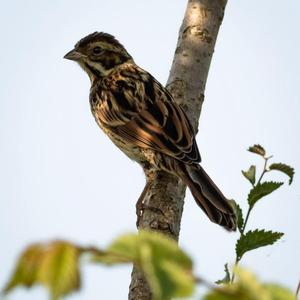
[{"x": 207, "y": 195}]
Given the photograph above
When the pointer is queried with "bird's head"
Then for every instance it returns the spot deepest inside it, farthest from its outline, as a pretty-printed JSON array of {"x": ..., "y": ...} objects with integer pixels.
[{"x": 99, "y": 54}]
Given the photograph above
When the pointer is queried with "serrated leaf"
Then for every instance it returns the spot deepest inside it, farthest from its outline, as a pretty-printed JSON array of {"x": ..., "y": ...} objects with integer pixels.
[
  {"x": 226, "y": 278},
  {"x": 54, "y": 265},
  {"x": 255, "y": 239},
  {"x": 167, "y": 268},
  {"x": 258, "y": 149},
  {"x": 286, "y": 169},
  {"x": 261, "y": 190},
  {"x": 239, "y": 214},
  {"x": 250, "y": 174}
]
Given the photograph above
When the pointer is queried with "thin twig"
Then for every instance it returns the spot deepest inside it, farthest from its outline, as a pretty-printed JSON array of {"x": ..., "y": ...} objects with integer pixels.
[
  {"x": 212, "y": 286},
  {"x": 264, "y": 171},
  {"x": 209, "y": 285}
]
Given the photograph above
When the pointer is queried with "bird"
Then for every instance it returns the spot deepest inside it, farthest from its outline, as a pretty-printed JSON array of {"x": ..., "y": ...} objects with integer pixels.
[{"x": 142, "y": 119}]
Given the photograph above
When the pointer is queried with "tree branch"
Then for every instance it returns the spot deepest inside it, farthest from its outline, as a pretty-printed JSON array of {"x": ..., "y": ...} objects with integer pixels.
[{"x": 164, "y": 198}]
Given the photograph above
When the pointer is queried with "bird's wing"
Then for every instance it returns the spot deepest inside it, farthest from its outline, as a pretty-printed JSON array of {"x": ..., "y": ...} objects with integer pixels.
[{"x": 141, "y": 111}]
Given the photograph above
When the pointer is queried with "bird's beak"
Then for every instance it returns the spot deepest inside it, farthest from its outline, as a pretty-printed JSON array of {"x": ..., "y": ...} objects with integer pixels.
[{"x": 74, "y": 55}]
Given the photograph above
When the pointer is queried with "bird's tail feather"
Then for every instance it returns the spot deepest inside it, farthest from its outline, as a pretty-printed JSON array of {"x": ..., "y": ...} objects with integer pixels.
[{"x": 207, "y": 195}]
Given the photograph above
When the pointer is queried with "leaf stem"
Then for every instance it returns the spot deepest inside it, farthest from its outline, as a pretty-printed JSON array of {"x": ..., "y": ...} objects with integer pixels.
[
  {"x": 264, "y": 171},
  {"x": 241, "y": 233},
  {"x": 246, "y": 219}
]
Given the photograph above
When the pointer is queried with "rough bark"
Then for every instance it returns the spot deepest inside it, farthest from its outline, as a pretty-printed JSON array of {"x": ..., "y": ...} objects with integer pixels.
[{"x": 164, "y": 197}]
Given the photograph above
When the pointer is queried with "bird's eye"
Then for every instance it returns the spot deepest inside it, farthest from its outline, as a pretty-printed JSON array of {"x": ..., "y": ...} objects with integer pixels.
[{"x": 97, "y": 50}]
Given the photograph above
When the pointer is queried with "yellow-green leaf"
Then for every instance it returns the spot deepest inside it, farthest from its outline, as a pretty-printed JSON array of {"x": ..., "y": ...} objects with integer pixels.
[
  {"x": 286, "y": 169},
  {"x": 122, "y": 250},
  {"x": 53, "y": 265},
  {"x": 25, "y": 273},
  {"x": 261, "y": 190},
  {"x": 278, "y": 292},
  {"x": 59, "y": 269},
  {"x": 247, "y": 287},
  {"x": 250, "y": 286},
  {"x": 167, "y": 268}
]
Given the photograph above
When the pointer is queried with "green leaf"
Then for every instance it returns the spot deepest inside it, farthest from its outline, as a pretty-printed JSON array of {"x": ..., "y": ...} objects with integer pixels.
[
  {"x": 255, "y": 239},
  {"x": 261, "y": 190},
  {"x": 258, "y": 149},
  {"x": 226, "y": 278},
  {"x": 278, "y": 292},
  {"x": 239, "y": 214},
  {"x": 54, "y": 265},
  {"x": 250, "y": 174},
  {"x": 167, "y": 268},
  {"x": 286, "y": 169}
]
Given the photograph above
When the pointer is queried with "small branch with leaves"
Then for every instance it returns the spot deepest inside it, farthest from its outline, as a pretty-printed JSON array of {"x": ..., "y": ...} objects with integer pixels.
[{"x": 257, "y": 238}]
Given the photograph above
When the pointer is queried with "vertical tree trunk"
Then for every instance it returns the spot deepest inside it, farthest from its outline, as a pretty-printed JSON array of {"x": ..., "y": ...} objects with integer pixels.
[{"x": 164, "y": 196}]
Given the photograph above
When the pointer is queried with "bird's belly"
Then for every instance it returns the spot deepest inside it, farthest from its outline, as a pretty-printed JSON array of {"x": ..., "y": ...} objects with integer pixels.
[{"x": 144, "y": 156}]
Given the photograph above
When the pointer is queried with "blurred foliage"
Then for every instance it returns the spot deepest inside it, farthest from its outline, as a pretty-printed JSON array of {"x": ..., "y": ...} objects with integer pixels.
[
  {"x": 53, "y": 265},
  {"x": 167, "y": 268},
  {"x": 247, "y": 287},
  {"x": 257, "y": 238}
]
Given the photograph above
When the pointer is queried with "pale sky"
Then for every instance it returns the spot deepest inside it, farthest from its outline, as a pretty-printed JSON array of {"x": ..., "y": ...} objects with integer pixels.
[{"x": 61, "y": 177}]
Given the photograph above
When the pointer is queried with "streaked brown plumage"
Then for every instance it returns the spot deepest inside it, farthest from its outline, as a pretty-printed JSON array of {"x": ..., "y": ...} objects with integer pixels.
[{"x": 142, "y": 119}]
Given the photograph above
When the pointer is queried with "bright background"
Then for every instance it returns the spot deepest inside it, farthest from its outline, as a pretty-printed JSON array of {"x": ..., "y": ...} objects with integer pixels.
[{"x": 60, "y": 177}]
